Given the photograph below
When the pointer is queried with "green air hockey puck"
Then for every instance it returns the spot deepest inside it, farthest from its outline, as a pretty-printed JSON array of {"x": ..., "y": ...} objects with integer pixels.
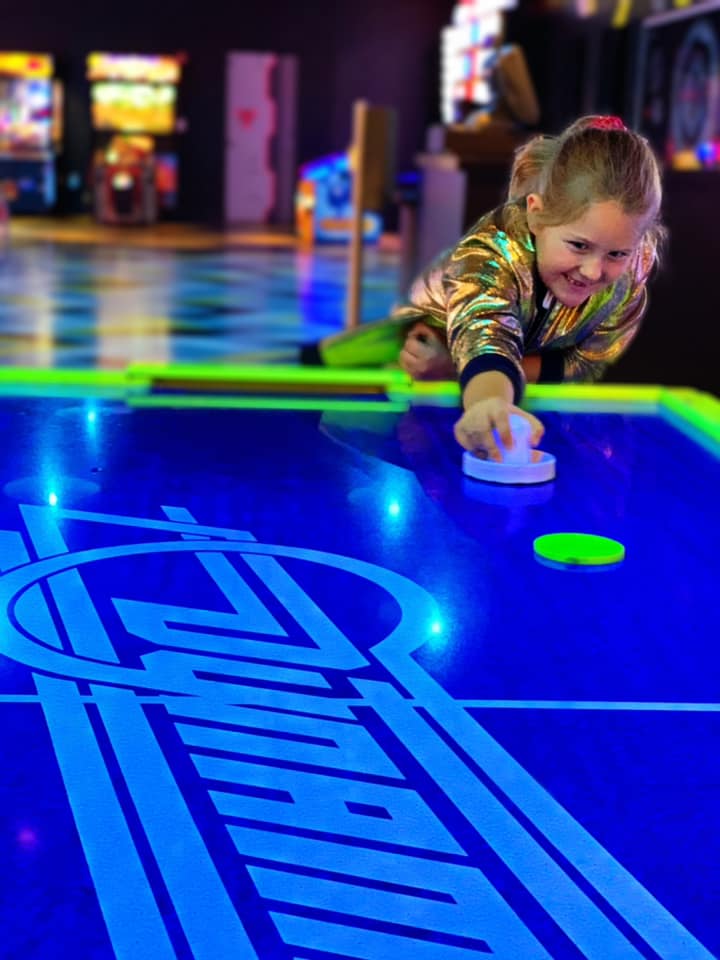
[{"x": 578, "y": 549}]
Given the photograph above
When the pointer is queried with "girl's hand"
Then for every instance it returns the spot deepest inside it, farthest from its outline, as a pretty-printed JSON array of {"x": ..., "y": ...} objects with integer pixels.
[
  {"x": 474, "y": 429},
  {"x": 424, "y": 356}
]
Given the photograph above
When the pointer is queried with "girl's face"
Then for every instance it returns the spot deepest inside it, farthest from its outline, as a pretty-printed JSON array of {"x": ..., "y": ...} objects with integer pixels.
[{"x": 576, "y": 260}]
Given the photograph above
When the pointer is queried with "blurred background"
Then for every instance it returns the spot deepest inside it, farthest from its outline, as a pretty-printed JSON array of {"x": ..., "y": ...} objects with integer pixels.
[{"x": 234, "y": 119}]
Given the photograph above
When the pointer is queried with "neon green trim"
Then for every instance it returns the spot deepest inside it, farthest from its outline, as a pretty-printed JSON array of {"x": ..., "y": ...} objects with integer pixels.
[
  {"x": 600, "y": 398},
  {"x": 43, "y": 376},
  {"x": 589, "y": 393},
  {"x": 209, "y": 401},
  {"x": 697, "y": 412},
  {"x": 308, "y": 376},
  {"x": 692, "y": 411},
  {"x": 435, "y": 388},
  {"x": 542, "y": 395},
  {"x": 700, "y": 409},
  {"x": 75, "y": 391}
]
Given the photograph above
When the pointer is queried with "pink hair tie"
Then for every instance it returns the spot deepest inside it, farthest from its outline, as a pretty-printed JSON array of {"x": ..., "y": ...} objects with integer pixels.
[{"x": 606, "y": 123}]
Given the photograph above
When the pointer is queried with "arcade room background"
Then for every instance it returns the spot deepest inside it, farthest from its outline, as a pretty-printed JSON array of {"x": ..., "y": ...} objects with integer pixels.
[{"x": 225, "y": 117}]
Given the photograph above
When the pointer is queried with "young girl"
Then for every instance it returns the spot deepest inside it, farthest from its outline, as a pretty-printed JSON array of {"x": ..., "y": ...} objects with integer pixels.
[{"x": 549, "y": 287}]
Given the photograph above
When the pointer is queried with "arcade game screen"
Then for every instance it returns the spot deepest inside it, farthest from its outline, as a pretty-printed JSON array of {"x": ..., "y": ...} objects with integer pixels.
[
  {"x": 133, "y": 94},
  {"x": 133, "y": 107},
  {"x": 26, "y": 104},
  {"x": 469, "y": 52},
  {"x": 30, "y": 130}
]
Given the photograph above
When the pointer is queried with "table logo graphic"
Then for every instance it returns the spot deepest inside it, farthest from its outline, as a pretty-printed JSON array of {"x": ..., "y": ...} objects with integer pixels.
[{"x": 333, "y": 802}]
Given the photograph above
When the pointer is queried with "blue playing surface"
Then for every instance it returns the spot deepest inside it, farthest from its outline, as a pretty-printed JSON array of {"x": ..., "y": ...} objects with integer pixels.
[{"x": 286, "y": 684}]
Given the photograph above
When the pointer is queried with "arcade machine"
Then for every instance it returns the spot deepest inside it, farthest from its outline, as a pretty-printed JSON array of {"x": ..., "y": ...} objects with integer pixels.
[
  {"x": 30, "y": 131},
  {"x": 484, "y": 81},
  {"x": 488, "y": 107},
  {"x": 323, "y": 203},
  {"x": 135, "y": 119}
]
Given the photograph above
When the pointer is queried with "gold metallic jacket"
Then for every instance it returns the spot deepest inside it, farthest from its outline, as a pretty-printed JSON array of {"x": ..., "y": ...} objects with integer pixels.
[{"x": 483, "y": 292}]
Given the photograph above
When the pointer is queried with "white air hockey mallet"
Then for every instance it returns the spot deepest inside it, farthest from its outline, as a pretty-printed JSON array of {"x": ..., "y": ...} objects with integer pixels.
[{"x": 520, "y": 463}]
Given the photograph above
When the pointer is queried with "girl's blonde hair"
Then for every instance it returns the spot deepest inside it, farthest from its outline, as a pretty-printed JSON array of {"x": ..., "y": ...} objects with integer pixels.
[{"x": 594, "y": 160}]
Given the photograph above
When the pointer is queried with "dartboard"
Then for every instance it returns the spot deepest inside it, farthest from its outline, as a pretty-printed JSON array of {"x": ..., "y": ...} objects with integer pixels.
[{"x": 694, "y": 104}]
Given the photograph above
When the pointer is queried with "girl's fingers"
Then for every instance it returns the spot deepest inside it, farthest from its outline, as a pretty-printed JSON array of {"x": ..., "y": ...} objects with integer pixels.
[
  {"x": 480, "y": 442},
  {"x": 538, "y": 431},
  {"x": 416, "y": 348},
  {"x": 502, "y": 427}
]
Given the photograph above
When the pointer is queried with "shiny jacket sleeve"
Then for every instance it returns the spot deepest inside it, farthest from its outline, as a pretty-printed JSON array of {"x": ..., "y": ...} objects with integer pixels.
[{"x": 487, "y": 289}]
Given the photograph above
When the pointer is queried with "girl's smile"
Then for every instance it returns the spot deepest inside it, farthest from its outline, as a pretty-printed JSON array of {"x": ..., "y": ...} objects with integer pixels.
[{"x": 578, "y": 259}]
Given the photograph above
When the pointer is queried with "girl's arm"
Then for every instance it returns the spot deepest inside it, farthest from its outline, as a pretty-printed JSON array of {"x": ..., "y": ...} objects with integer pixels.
[{"x": 488, "y": 290}]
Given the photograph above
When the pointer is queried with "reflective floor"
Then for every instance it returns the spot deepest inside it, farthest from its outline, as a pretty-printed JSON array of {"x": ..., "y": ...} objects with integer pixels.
[
  {"x": 108, "y": 303},
  {"x": 282, "y": 683}
]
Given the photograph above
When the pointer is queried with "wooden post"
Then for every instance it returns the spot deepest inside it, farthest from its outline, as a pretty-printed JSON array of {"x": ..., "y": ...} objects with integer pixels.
[{"x": 357, "y": 167}]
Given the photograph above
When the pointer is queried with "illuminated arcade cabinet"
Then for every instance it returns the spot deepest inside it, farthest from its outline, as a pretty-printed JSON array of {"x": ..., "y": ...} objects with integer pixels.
[
  {"x": 30, "y": 131},
  {"x": 488, "y": 107},
  {"x": 135, "y": 119},
  {"x": 484, "y": 81},
  {"x": 323, "y": 203}
]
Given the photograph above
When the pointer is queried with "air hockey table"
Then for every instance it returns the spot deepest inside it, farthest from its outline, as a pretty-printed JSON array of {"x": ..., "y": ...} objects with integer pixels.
[{"x": 279, "y": 682}]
